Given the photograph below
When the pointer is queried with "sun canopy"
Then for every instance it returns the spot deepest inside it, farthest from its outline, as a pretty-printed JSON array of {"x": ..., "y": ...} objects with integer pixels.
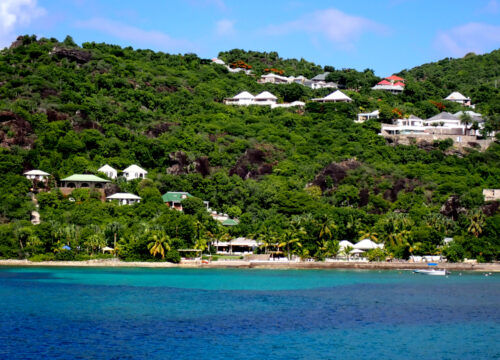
[{"x": 367, "y": 244}]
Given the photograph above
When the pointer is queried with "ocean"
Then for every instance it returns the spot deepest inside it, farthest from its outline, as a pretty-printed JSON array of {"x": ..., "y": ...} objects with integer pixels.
[{"x": 136, "y": 313}]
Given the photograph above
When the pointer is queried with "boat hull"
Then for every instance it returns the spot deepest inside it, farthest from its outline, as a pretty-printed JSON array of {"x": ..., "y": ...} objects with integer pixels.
[{"x": 431, "y": 272}]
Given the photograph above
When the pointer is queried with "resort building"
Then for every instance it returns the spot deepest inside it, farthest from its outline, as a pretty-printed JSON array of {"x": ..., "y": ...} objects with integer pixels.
[
  {"x": 265, "y": 98},
  {"x": 393, "y": 84},
  {"x": 243, "y": 98},
  {"x": 362, "y": 117},
  {"x": 134, "y": 172},
  {"x": 442, "y": 124},
  {"x": 108, "y": 171},
  {"x": 459, "y": 98},
  {"x": 124, "y": 198},
  {"x": 337, "y": 96},
  {"x": 76, "y": 181},
  {"x": 274, "y": 79},
  {"x": 491, "y": 194},
  {"x": 37, "y": 175},
  {"x": 238, "y": 246}
]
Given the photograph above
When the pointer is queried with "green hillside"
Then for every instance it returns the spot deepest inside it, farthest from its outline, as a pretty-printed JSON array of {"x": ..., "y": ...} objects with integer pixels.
[{"x": 301, "y": 178}]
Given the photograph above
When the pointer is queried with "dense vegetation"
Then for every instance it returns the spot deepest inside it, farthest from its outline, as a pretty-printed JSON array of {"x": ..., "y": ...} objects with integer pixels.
[{"x": 300, "y": 179}]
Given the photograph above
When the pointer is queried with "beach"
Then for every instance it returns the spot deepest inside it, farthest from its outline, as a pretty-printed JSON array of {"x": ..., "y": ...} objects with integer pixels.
[{"x": 242, "y": 264}]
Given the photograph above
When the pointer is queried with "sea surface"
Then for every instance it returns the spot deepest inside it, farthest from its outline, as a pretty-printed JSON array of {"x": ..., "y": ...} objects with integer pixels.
[{"x": 134, "y": 313}]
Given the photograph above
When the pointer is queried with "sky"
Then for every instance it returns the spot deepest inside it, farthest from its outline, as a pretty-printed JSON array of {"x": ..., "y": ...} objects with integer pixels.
[{"x": 384, "y": 35}]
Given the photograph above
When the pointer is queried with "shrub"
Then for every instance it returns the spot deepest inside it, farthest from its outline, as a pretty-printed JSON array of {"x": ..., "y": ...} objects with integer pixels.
[
  {"x": 42, "y": 257},
  {"x": 173, "y": 256}
]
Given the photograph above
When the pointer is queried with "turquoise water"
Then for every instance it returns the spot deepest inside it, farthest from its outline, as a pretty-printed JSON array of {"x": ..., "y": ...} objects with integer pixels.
[{"x": 82, "y": 313}]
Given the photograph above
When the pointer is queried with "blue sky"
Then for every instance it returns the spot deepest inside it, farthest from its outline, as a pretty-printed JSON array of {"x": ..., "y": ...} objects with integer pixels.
[{"x": 384, "y": 35}]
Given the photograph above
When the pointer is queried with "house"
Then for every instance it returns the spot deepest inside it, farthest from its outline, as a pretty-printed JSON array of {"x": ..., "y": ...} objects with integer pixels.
[
  {"x": 83, "y": 181},
  {"x": 218, "y": 61},
  {"x": 134, "y": 172},
  {"x": 238, "y": 246},
  {"x": 37, "y": 175},
  {"x": 393, "y": 84},
  {"x": 459, "y": 99},
  {"x": 124, "y": 198},
  {"x": 274, "y": 79},
  {"x": 108, "y": 171},
  {"x": 491, "y": 194},
  {"x": 243, "y": 98},
  {"x": 264, "y": 98},
  {"x": 362, "y": 117},
  {"x": 337, "y": 96},
  {"x": 320, "y": 77},
  {"x": 440, "y": 124},
  {"x": 173, "y": 199}
]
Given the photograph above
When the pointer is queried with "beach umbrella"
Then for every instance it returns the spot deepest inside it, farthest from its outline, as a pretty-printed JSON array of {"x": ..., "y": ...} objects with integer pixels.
[
  {"x": 66, "y": 247},
  {"x": 367, "y": 244}
]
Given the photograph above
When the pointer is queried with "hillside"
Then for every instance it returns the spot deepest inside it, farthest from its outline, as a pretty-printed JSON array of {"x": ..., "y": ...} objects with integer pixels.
[{"x": 289, "y": 175}]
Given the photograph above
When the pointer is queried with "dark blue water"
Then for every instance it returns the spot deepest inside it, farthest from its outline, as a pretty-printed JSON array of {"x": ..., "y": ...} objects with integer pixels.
[{"x": 79, "y": 313}]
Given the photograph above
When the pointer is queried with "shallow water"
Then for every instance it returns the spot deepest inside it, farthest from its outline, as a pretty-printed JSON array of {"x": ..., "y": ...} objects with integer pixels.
[{"x": 89, "y": 313}]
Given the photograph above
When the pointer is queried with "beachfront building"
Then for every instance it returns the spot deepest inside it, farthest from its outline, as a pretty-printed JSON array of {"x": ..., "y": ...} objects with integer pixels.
[
  {"x": 459, "y": 99},
  {"x": 491, "y": 194},
  {"x": 394, "y": 84},
  {"x": 362, "y": 117},
  {"x": 238, "y": 246},
  {"x": 134, "y": 172},
  {"x": 367, "y": 244},
  {"x": 37, "y": 176},
  {"x": 337, "y": 96},
  {"x": 108, "y": 171},
  {"x": 124, "y": 198}
]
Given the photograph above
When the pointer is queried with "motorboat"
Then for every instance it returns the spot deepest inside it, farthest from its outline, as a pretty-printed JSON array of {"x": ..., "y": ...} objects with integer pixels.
[{"x": 432, "y": 271}]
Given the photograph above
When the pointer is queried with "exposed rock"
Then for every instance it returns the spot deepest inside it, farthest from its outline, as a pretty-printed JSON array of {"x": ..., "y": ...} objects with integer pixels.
[
  {"x": 15, "y": 130},
  {"x": 333, "y": 174},
  {"x": 17, "y": 43},
  {"x": 53, "y": 115},
  {"x": 158, "y": 129},
  {"x": 491, "y": 208},
  {"x": 45, "y": 93},
  {"x": 252, "y": 164},
  {"x": 110, "y": 189},
  {"x": 80, "y": 56},
  {"x": 184, "y": 166},
  {"x": 452, "y": 207}
]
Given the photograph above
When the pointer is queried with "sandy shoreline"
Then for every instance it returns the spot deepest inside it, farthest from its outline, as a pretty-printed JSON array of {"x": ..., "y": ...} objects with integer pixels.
[{"x": 240, "y": 264}]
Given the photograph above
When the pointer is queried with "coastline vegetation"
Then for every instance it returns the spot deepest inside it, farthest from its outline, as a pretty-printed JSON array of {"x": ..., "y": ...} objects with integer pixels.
[{"x": 299, "y": 181}]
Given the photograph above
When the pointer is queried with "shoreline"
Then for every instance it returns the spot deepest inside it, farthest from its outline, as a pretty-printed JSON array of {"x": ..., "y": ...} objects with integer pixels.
[{"x": 241, "y": 264}]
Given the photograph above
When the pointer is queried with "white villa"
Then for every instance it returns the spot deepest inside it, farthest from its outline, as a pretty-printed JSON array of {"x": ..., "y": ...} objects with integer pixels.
[
  {"x": 275, "y": 79},
  {"x": 362, "y": 117},
  {"x": 244, "y": 98},
  {"x": 393, "y": 84},
  {"x": 238, "y": 246},
  {"x": 109, "y": 171},
  {"x": 37, "y": 175},
  {"x": 440, "y": 124},
  {"x": 491, "y": 194},
  {"x": 134, "y": 172},
  {"x": 460, "y": 99},
  {"x": 265, "y": 98},
  {"x": 124, "y": 198},
  {"x": 337, "y": 96},
  {"x": 288, "y": 105}
]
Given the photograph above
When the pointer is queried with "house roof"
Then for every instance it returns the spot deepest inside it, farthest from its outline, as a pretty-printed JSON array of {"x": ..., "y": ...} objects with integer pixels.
[
  {"x": 36, "y": 173},
  {"x": 243, "y": 95},
  {"x": 456, "y": 96},
  {"x": 345, "y": 243},
  {"x": 384, "y": 82},
  {"x": 336, "y": 96},
  {"x": 230, "y": 222},
  {"x": 84, "y": 177},
  {"x": 320, "y": 77},
  {"x": 136, "y": 169},
  {"x": 395, "y": 78},
  {"x": 123, "y": 196},
  {"x": 175, "y": 196},
  {"x": 413, "y": 117},
  {"x": 367, "y": 244},
  {"x": 443, "y": 116},
  {"x": 106, "y": 168},
  {"x": 399, "y": 83},
  {"x": 265, "y": 95}
]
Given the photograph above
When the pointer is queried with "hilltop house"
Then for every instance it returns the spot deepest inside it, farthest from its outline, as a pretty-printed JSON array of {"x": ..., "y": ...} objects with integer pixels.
[
  {"x": 124, "y": 198},
  {"x": 83, "y": 181},
  {"x": 274, "y": 79},
  {"x": 362, "y": 117},
  {"x": 393, "y": 84},
  {"x": 108, "y": 171},
  {"x": 459, "y": 99},
  {"x": 134, "y": 172},
  {"x": 319, "y": 82},
  {"x": 173, "y": 199},
  {"x": 265, "y": 98},
  {"x": 443, "y": 124},
  {"x": 244, "y": 98},
  {"x": 337, "y": 96},
  {"x": 37, "y": 175},
  {"x": 491, "y": 194}
]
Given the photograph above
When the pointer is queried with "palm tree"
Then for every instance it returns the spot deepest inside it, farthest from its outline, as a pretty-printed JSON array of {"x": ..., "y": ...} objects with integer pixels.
[
  {"x": 291, "y": 238},
  {"x": 368, "y": 234},
  {"x": 159, "y": 242},
  {"x": 476, "y": 223},
  {"x": 465, "y": 119},
  {"x": 114, "y": 228}
]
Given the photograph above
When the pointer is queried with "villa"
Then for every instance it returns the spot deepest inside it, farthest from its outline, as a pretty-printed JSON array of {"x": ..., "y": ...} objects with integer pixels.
[
  {"x": 108, "y": 171},
  {"x": 265, "y": 98},
  {"x": 134, "y": 172},
  {"x": 441, "y": 124},
  {"x": 173, "y": 199},
  {"x": 77, "y": 181},
  {"x": 124, "y": 198},
  {"x": 238, "y": 246},
  {"x": 244, "y": 98},
  {"x": 491, "y": 194},
  {"x": 394, "y": 84},
  {"x": 459, "y": 99},
  {"x": 37, "y": 175},
  {"x": 337, "y": 96},
  {"x": 274, "y": 79},
  {"x": 362, "y": 117}
]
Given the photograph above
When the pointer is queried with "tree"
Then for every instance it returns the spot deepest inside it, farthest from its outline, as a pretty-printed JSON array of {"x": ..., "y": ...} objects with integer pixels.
[
  {"x": 290, "y": 238},
  {"x": 159, "y": 242},
  {"x": 476, "y": 223},
  {"x": 465, "y": 119}
]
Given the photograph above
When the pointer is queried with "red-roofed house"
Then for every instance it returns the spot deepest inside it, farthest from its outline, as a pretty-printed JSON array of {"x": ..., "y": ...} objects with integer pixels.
[
  {"x": 393, "y": 83},
  {"x": 395, "y": 78}
]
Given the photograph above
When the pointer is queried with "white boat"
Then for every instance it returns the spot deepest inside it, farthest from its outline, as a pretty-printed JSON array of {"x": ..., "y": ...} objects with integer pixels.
[{"x": 436, "y": 272}]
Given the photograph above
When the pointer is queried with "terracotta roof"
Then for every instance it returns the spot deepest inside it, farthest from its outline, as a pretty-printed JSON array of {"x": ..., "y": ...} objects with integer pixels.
[
  {"x": 384, "y": 82},
  {"x": 395, "y": 78}
]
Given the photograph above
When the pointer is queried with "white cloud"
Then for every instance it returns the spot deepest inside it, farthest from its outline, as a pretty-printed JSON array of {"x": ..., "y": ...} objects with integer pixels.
[
  {"x": 225, "y": 27},
  {"x": 337, "y": 27},
  {"x": 137, "y": 36},
  {"x": 14, "y": 14},
  {"x": 472, "y": 37}
]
